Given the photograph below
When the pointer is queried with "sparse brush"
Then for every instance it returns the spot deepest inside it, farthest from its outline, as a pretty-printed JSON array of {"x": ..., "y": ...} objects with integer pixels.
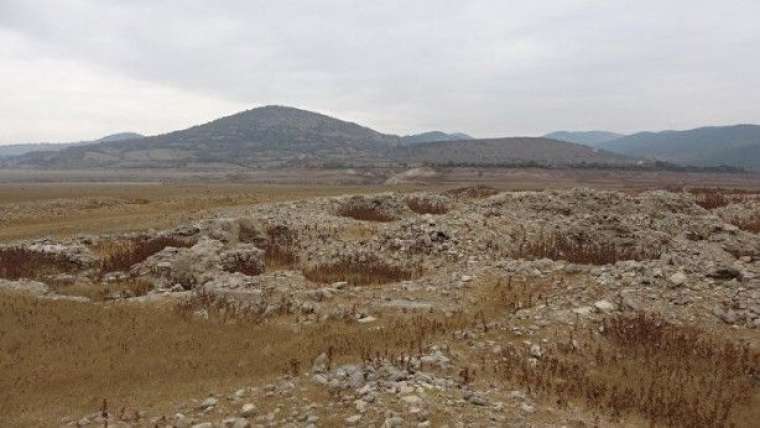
[
  {"x": 711, "y": 199},
  {"x": 365, "y": 213},
  {"x": 280, "y": 248},
  {"x": 366, "y": 271},
  {"x": 122, "y": 256},
  {"x": 750, "y": 223},
  {"x": 671, "y": 375},
  {"x": 426, "y": 206},
  {"x": 17, "y": 263},
  {"x": 558, "y": 246}
]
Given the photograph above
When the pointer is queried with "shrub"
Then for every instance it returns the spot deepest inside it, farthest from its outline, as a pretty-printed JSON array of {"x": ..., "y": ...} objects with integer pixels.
[
  {"x": 749, "y": 224},
  {"x": 365, "y": 213},
  {"x": 558, "y": 246},
  {"x": 17, "y": 263},
  {"x": 371, "y": 270},
  {"x": 472, "y": 192},
  {"x": 423, "y": 204},
  {"x": 280, "y": 248}
]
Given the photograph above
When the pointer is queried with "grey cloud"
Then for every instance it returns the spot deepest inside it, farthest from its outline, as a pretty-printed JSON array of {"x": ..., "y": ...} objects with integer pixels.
[{"x": 484, "y": 67}]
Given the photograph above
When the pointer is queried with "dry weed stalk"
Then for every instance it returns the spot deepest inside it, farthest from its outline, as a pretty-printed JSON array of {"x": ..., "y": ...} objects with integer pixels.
[
  {"x": 17, "y": 263},
  {"x": 369, "y": 270},
  {"x": 674, "y": 376},
  {"x": 365, "y": 213},
  {"x": 559, "y": 246}
]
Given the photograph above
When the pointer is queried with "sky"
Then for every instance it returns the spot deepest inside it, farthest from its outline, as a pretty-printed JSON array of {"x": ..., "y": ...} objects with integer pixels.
[{"x": 73, "y": 70}]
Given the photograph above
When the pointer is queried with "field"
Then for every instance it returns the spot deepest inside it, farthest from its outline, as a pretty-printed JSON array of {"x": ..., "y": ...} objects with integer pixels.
[{"x": 439, "y": 302}]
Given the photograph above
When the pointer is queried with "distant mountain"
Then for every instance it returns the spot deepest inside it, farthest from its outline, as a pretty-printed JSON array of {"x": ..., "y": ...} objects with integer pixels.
[
  {"x": 276, "y": 136},
  {"x": 502, "y": 151},
  {"x": 123, "y": 136},
  {"x": 20, "y": 149},
  {"x": 433, "y": 136},
  {"x": 737, "y": 146},
  {"x": 588, "y": 138},
  {"x": 265, "y": 137}
]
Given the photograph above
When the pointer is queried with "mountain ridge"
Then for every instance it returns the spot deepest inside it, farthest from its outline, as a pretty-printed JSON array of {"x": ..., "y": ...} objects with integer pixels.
[
  {"x": 280, "y": 136},
  {"x": 590, "y": 138},
  {"x": 734, "y": 145}
]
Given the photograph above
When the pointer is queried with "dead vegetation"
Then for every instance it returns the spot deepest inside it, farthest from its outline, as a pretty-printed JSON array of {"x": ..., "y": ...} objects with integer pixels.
[
  {"x": 749, "y": 223},
  {"x": 112, "y": 356},
  {"x": 367, "y": 270},
  {"x": 560, "y": 246},
  {"x": 17, "y": 263},
  {"x": 426, "y": 205},
  {"x": 100, "y": 292},
  {"x": 365, "y": 213},
  {"x": 642, "y": 365},
  {"x": 280, "y": 248},
  {"x": 121, "y": 256}
]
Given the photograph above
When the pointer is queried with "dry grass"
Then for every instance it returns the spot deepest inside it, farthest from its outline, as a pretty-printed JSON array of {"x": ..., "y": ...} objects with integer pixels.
[
  {"x": 63, "y": 358},
  {"x": 671, "y": 375},
  {"x": 17, "y": 263},
  {"x": 121, "y": 256},
  {"x": 368, "y": 271},
  {"x": 102, "y": 292},
  {"x": 36, "y": 210},
  {"x": 558, "y": 246}
]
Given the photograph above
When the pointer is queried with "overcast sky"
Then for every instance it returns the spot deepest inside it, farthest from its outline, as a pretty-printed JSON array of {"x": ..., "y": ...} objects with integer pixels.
[{"x": 79, "y": 69}]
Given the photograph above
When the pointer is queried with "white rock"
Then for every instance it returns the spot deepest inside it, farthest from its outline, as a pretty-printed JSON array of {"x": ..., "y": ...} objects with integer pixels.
[
  {"x": 605, "y": 306},
  {"x": 248, "y": 410},
  {"x": 678, "y": 278},
  {"x": 351, "y": 420},
  {"x": 208, "y": 403},
  {"x": 411, "y": 399}
]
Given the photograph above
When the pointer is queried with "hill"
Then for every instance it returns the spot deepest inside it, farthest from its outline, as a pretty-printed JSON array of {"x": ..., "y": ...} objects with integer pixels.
[
  {"x": 20, "y": 149},
  {"x": 509, "y": 151},
  {"x": 434, "y": 136},
  {"x": 588, "y": 138},
  {"x": 266, "y": 136},
  {"x": 737, "y": 146},
  {"x": 276, "y": 136}
]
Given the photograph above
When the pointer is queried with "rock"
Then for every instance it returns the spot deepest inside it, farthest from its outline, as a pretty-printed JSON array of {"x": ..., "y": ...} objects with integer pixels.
[
  {"x": 24, "y": 286},
  {"x": 411, "y": 399},
  {"x": 243, "y": 258},
  {"x": 605, "y": 306},
  {"x": 208, "y": 403},
  {"x": 536, "y": 351},
  {"x": 393, "y": 422},
  {"x": 320, "y": 364},
  {"x": 475, "y": 399},
  {"x": 678, "y": 279},
  {"x": 367, "y": 320},
  {"x": 248, "y": 410},
  {"x": 583, "y": 310},
  {"x": 353, "y": 420},
  {"x": 236, "y": 423}
]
